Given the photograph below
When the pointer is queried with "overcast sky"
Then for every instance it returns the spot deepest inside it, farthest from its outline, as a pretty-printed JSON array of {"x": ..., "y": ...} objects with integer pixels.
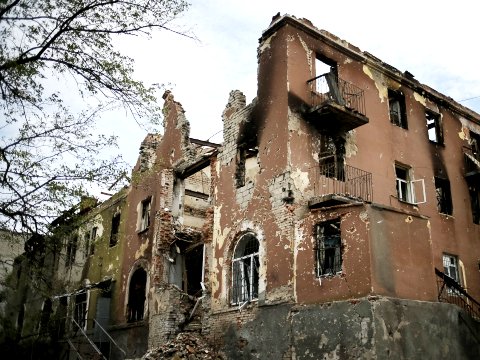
[{"x": 437, "y": 41}]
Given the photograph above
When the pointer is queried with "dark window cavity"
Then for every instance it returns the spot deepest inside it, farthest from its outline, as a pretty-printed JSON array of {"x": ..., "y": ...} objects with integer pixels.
[
  {"x": 396, "y": 105},
  {"x": 136, "y": 295},
  {"x": 444, "y": 197},
  {"x": 328, "y": 248},
  {"x": 115, "y": 229}
]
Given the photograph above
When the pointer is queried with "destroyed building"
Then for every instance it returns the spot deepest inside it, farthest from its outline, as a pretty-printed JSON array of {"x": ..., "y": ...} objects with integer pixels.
[{"x": 339, "y": 218}]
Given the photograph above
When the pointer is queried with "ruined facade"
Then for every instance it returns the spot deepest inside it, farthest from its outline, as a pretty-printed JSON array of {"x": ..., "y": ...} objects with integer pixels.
[{"x": 338, "y": 219}]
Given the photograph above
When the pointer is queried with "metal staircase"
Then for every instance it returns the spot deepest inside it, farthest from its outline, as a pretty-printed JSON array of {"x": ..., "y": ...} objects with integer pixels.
[{"x": 97, "y": 347}]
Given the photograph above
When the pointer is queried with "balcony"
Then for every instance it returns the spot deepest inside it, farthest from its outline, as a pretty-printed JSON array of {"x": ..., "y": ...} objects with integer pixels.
[
  {"x": 336, "y": 105},
  {"x": 471, "y": 163},
  {"x": 336, "y": 183}
]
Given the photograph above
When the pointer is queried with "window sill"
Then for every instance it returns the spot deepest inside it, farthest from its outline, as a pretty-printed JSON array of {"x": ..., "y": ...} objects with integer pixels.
[
  {"x": 436, "y": 143},
  {"x": 139, "y": 232}
]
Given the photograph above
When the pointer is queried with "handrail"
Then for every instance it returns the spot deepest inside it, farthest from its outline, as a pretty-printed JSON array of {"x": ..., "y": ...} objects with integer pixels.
[
  {"x": 330, "y": 87},
  {"x": 74, "y": 348},
  {"x": 455, "y": 294},
  {"x": 89, "y": 340},
  {"x": 109, "y": 337}
]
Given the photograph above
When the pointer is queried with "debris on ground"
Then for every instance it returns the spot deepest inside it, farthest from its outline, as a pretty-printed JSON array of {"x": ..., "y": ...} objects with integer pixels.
[{"x": 186, "y": 346}]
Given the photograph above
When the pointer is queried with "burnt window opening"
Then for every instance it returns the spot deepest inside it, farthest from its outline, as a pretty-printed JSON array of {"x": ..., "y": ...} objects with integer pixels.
[
  {"x": 474, "y": 191},
  {"x": 45, "y": 316},
  {"x": 93, "y": 239},
  {"x": 444, "y": 197},
  {"x": 136, "y": 296},
  {"x": 475, "y": 145},
  {"x": 331, "y": 157},
  {"x": 144, "y": 215},
  {"x": 328, "y": 241},
  {"x": 324, "y": 66},
  {"x": 434, "y": 127},
  {"x": 243, "y": 154},
  {"x": 396, "y": 106},
  {"x": 409, "y": 190},
  {"x": 115, "y": 229},
  {"x": 20, "y": 320},
  {"x": 245, "y": 270},
  {"x": 71, "y": 251},
  {"x": 186, "y": 267},
  {"x": 194, "y": 270},
  {"x": 80, "y": 310}
]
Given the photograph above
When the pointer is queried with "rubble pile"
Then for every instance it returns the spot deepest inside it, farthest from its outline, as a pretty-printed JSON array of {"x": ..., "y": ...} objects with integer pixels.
[{"x": 186, "y": 346}]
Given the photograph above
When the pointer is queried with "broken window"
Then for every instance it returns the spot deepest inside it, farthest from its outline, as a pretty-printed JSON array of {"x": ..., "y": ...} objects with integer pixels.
[
  {"x": 144, "y": 215},
  {"x": 331, "y": 157},
  {"x": 434, "y": 127},
  {"x": 245, "y": 270},
  {"x": 93, "y": 238},
  {"x": 246, "y": 162},
  {"x": 475, "y": 144},
  {"x": 328, "y": 248},
  {"x": 396, "y": 106},
  {"x": 45, "y": 316},
  {"x": 444, "y": 197},
  {"x": 80, "y": 310},
  {"x": 71, "y": 251},
  {"x": 115, "y": 229},
  {"x": 450, "y": 267},
  {"x": 136, "y": 295},
  {"x": 474, "y": 191},
  {"x": 408, "y": 189}
]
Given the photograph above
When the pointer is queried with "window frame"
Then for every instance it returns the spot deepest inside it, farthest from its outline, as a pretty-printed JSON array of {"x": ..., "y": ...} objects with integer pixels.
[
  {"x": 397, "y": 97},
  {"x": 321, "y": 249},
  {"x": 447, "y": 271},
  {"x": 143, "y": 221},
  {"x": 444, "y": 198},
  {"x": 406, "y": 187},
  {"x": 245, "y": 289},
  {"x": 115, "y": 229},
  {"x": 434, "y": 126}
]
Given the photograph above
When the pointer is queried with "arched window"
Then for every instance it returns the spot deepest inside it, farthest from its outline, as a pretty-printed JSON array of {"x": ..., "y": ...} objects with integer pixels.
[
  {"x": 245, "y": 270},
  {"x": 136, "y": 295}
]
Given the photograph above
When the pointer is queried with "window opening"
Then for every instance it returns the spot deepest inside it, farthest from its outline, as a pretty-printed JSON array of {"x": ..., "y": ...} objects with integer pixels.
[
  {"x": 80, "y": 311},
  {"x": 136, "y": 296},
  {"x": 328, "y": 248},
  {"x": 245, "y": 270},
  {"x": 331, "y": 157},
  {"x": 86, "y": 239},
  {"x": 240, "y": 170},
  {"x": 115, "y": 229},
  {"x": 444, "y": 197},
  {"x": 474, "y": 191},
  {"x": 145, "y": 215},
  {"x": 71, "y": 251},
  {"x": 396, "y": 105},
  {"x": 451, "y": 269},
  {"x": 193, "y": 267},
  {"x": 408, "y": 189},
  {"x": 434, "y": 127},
  {"x": 45, "y": 316},
  {"x": 93, "y": 238},
  {"x": 475, "y": 144}
]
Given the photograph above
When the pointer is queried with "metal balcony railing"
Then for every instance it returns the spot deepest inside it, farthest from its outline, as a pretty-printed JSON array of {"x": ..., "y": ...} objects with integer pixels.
[
  {"x": 330, "y": 88},
  {"x": 339, "y": 179},
  {"x": 451, "y": 292}
]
